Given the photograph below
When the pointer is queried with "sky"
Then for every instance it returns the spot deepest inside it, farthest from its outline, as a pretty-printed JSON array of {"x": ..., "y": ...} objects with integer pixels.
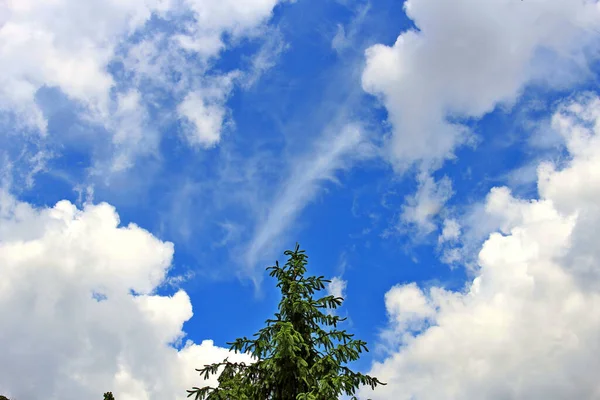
[{"x": 438, "y": 160}]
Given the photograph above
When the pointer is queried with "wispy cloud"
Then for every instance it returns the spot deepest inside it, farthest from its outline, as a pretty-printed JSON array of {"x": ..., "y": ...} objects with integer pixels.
[{"x": 332, "y": 154}]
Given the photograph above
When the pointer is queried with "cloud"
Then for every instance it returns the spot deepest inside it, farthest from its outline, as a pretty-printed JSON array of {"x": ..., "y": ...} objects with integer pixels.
[
  {"x": 466, "y": 57},
  {"x": 346, "y": 36},
  {"x": 461, "y": 61},
  {"x": 212, "y": 18},
  {"x": 80, "y": 313},
  {"x": 204, "y": 113},
  {"x": 406, "y": 306},
  {"x": 65, "y": 44},
  {"x": 132, "y": 137},
  {"x": 119, "y": 62},
  {"x": 266, "y": 58},
  {"x": 450, "y": 231},
  {"x": 337, "y": 287},
  {"x": 331, "y": 155},
  {"x": 527, "y": 326},
  {"x": 422, "y": 207}
]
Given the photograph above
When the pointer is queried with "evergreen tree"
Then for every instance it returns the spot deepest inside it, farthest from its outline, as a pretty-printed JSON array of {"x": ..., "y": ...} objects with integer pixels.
[
  {"x": 300, "y": 354},
  {"x": 108, "y": 396}
]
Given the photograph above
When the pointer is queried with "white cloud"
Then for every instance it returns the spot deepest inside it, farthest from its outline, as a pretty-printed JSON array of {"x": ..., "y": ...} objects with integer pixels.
[
  {"x": 70, "y": 45},
  {"x": 132, "y": 136},
  {"x": 406, "y": 305},
  {"x": 266, "y": 57},
  {"x": 450, "y": 231},
  {"x": 337, "y": 287},
  {"x": 206, "y": 120},
  {"x": 330, "y": 156},
  {"x": 212, "y": 18},
  {"x": 339, "y": 41},
  {"x": 65, "y": 44},
  {"x": 527, "y": 326},
  {"x": 204, "y": 111},
  {"x": 422, "y": 207},
  {"x": 70, "y": 326},
  {"x": 475, "y": 224},
  {"x": 345, "y": 36},
  {"x": 467, "y": 57}
]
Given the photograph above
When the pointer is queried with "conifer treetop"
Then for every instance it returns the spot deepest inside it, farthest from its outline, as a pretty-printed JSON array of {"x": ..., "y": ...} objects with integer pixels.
[{"x": 300, "y": 354}]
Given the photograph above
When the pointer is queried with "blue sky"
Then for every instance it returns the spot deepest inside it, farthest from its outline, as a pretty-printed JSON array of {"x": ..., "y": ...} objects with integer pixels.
[{"x": 375, "y": 133}]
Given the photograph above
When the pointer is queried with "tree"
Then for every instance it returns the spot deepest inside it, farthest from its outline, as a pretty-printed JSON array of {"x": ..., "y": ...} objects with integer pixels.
[
  {"x": 109, "y": 396},
  {"x": 301, "y": 354}
]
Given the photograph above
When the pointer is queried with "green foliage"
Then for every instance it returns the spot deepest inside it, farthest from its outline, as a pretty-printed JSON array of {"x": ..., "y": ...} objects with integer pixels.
[
  {"x": 300, "y": 354},
  {"x": 108, "y": 396}
]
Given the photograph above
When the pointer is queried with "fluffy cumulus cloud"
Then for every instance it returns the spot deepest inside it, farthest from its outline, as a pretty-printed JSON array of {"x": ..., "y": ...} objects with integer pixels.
[
  {"x": 64, "y": 44},
  {"x": 466, "y": 57},
  {"x": 528, "y": 325},
  {"x": 79, "y": 311},
  {"x": 105, "y": 56},
  {"x": 463, "y": 59}
]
